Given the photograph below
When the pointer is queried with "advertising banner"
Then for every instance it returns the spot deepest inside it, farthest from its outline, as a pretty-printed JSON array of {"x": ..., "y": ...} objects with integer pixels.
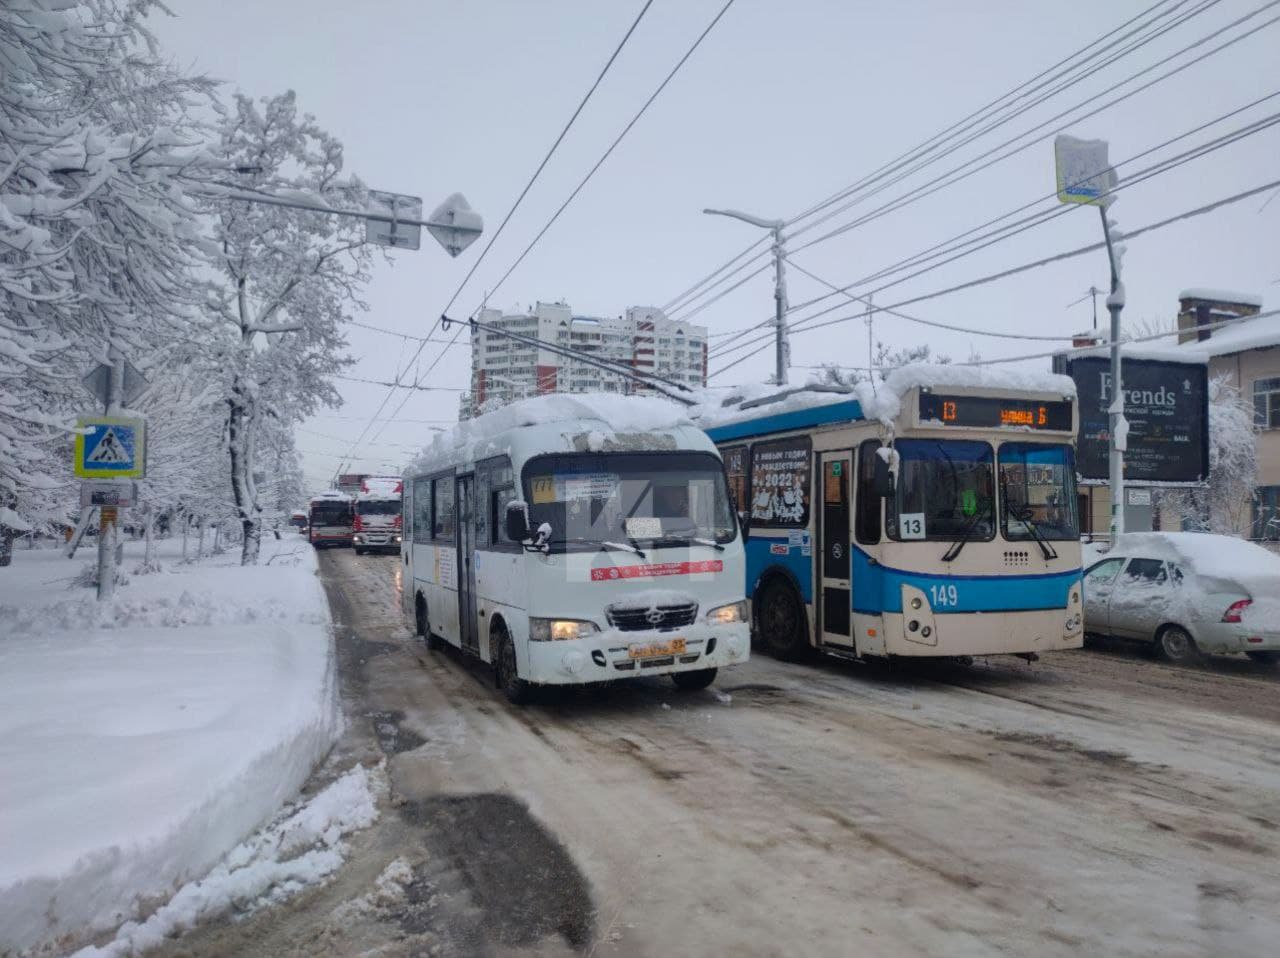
[{"x": 1167, "y": 405}]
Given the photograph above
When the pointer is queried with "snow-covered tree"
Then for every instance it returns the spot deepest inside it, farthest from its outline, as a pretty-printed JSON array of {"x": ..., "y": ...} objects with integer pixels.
[
  {"x": 95, "y": 230},
  {"x": 885, "y": 360},
  {"x": 287, "y": 281},
  {"x": 1226, "y": 504}
]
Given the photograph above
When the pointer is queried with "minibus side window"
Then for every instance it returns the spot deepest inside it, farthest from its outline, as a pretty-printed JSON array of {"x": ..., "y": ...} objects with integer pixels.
[
  {"x": 502, "y": 489},
  {"x": 867, "y": 523},
  {"x": 442, "y": 493},
  {"x": 422, "y": 510}
]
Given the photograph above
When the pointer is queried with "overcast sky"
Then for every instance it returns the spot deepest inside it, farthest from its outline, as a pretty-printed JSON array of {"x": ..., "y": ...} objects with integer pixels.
[{"x": 782, "y": 105}]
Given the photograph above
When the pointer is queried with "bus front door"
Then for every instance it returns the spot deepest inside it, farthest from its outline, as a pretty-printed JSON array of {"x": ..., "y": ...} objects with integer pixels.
[
  {"x": 835, "y": 557},
  {"x": 467, "y": 625}
]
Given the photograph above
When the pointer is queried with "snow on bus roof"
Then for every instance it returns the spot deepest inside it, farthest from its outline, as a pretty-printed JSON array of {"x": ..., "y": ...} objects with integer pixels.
[
  {"x": 725, "y": 405},
  {"x": 601, "y": 415}
]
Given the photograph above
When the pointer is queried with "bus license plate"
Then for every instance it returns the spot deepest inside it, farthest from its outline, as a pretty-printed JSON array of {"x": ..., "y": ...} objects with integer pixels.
[{"x": 651, "y": 649}]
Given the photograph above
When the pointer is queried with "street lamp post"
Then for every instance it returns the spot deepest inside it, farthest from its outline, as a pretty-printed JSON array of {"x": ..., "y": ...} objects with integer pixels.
[{"x": 783, "y": 343}]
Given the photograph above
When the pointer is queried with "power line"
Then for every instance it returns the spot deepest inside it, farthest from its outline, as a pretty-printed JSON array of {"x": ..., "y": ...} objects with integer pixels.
[
  {"x": 506, "y": 219},
  {"x": 931, "y": 142},
  {"x": 395, "y": 332},
  {"x": 612, "y": 146},
  {"x": 958, "y": 173},
  {"x": 938, "y": 183},
  {"x": 591, "y": 173},
  {"x": 1009, "y": 230},
  {"x": 1003, "y": 274},
  {"x": 393, "y": 386},
  {"x": 928, "y": 322}
]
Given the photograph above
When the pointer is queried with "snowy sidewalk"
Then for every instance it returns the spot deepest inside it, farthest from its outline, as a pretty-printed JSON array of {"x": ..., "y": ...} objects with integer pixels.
[{"x": 142, "y": 740}]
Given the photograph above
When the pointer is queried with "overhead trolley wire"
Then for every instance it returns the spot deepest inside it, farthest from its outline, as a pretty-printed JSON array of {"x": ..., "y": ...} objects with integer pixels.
[
  {"x": 931, "y": 143},
  {"x": 929, "y": 188},
  {"x": 506, "y": 219},
  {"x": 951, "y": 245},
  {"x": 591, "y": 173},
  {"x": 1003, "y": 274}
]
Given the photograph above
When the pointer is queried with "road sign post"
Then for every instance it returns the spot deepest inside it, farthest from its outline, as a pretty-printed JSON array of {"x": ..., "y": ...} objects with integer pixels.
[{"x": 1085, "y": 175}]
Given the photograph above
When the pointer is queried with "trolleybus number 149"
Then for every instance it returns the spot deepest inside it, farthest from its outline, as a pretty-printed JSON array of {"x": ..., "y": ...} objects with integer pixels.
[{"x": 944, "y": 595}]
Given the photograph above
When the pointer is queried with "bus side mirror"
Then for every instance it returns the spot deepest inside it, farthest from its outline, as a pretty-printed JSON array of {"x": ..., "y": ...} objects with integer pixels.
[
  {"x": 882, "y": 481},
  {"x": 517, "y": 521},
  {"x": 744, "y": 523}
]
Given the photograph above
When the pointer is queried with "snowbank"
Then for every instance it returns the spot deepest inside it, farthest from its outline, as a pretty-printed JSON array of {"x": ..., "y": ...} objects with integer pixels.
[
  {"x": 303, "y": 846},
  {"x": 142, "y": 740}
]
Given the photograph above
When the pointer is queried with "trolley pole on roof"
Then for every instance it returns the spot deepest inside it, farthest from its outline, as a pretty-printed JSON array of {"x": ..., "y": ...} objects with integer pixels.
[{"x": 782, "y": 340}]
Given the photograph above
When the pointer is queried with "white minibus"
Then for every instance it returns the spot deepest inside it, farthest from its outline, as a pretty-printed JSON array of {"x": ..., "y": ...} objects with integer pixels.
[{"x": 577, "y": 539}]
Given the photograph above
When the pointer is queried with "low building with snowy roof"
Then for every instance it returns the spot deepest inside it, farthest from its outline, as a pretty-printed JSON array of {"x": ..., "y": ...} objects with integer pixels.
[{"x": 1242, "y": 343}]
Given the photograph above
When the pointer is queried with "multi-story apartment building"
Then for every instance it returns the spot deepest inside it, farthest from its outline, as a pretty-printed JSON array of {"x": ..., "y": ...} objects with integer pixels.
[{"x": 503, "y": 369}]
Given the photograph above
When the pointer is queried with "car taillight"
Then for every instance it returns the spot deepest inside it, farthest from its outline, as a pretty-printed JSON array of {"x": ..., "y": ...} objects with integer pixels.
[{"x": 1235, "y": 609}]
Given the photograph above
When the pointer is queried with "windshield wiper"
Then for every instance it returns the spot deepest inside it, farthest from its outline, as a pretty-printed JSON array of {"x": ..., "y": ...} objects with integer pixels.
[
  {"x": 1025, "y": 518},
  {"x": 632, "y": 547},
  {"x": 1023, "y": 515},
  {"x": 696, "y": 540},
  {"x": 616, "y": 546},
  {"x": 966, "y": 535}
]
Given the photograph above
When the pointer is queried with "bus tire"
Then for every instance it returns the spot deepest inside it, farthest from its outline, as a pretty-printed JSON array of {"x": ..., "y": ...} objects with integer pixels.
[
  {"x": 422, "y": 625},
  {"x": 506, "y": 671},
  {"x": 692, "y": 681},
  {"x": 781, "y": 620}
]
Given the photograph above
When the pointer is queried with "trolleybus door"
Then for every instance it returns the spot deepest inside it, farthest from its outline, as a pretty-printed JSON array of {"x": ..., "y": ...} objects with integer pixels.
[
  {"x": 835, "y": 558},
  {"x": 467, "y": 625}
]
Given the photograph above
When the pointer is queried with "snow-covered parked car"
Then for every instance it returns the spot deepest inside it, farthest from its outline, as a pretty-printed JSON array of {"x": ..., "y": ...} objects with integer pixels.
[{"x": 1189, "y": 593}]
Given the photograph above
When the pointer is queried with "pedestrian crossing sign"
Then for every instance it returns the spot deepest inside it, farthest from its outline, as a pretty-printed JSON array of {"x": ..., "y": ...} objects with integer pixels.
[{"x": 110, "y": 447}]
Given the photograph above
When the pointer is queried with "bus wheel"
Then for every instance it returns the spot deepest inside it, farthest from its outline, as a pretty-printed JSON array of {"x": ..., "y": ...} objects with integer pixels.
[
  {"x": 692, "y": 681},
  {"x": 780, "y": 617},
  {"x": 505, "y": 672},
  {"x": 422, "y": 628}
]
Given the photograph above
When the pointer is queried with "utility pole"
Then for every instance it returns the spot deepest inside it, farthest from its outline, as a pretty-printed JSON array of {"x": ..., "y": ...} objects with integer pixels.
[
  {"x": 782, "y": 339},
  {"x": 108, "y": 515},
  {"x": 1119, "y": 426}
]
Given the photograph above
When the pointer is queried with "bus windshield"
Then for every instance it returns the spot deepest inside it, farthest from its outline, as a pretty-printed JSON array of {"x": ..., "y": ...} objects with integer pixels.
[
  {"x": 638, "y": 500},
  {"x": 378, "y": 507},
  {"x": 945, "y": 490},
  {"x": 1037, "y": 488},
  {"x": 331, "y": 514}
]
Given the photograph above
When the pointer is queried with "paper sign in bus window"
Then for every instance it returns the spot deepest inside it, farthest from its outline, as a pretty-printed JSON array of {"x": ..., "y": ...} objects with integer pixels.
[
  {"x": 780, "y": 482},
  {"x": 911, "y": 525}
]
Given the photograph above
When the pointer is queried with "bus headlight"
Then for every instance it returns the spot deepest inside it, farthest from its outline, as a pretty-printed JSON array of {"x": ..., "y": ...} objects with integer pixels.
[
  {"x": 549, "y": 630},
  {"x": 728, "y": 614}
]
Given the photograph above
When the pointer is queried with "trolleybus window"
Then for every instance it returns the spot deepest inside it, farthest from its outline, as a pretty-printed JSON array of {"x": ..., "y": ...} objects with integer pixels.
[
  {"x": 1038, "y": 491},
  {"x": 868, "y": 518},
  {"x": 945, "y": 490},
  {"x": 735, "y": 468},
  {"x": 336, "y": 512},
  {"x": 631, "y": 500},
  {"x": 780, "y": 483}
]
